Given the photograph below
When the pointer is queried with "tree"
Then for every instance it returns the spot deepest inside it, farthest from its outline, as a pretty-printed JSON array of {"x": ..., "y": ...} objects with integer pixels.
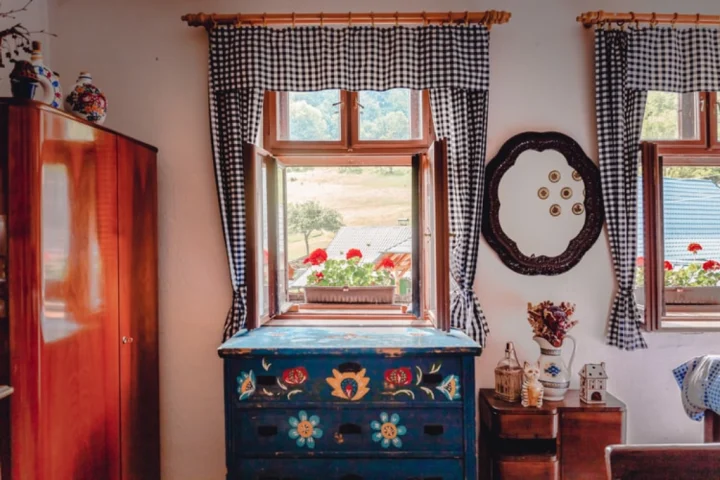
[{"x": 308, "y": 217}]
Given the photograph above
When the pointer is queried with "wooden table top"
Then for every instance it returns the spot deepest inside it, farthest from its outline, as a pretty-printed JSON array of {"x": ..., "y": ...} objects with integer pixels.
[
  {"x": 5, "y": 391},
  {"x": 571, "y": 402}
]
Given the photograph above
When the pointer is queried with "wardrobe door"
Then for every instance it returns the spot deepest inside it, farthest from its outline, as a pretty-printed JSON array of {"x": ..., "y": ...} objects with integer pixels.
[
  {"x": 63, "y": 299},
  {"x": 137, "y": 206}
]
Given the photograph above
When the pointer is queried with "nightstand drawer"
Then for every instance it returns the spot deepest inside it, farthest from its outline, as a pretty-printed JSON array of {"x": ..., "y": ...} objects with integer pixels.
[
  {"x": 523, "y": 426},
  {"x": 347, "y": 430},
  {"x": 431, "y": 380},
  {"x": 349, "y": 469}
]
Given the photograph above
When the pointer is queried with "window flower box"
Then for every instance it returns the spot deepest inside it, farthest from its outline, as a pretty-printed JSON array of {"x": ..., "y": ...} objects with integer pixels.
[
  {"x": 373, "y": 294},
  {"x": 692, "y": 295}
]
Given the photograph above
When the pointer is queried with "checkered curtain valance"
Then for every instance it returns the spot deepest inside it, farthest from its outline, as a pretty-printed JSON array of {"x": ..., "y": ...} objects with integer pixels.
[
  {"x": 449, "y": 61},
  {"x": 628, "y": 64}
]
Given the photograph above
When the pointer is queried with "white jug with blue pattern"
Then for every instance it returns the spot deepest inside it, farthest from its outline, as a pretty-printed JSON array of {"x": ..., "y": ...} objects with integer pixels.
[{"x": 554, "y": 373}]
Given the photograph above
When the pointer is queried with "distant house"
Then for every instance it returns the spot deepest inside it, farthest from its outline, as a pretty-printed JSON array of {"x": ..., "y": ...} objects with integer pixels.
[
  {"x": 692, "y": 214},
  {"x": 373, "y": 242}
]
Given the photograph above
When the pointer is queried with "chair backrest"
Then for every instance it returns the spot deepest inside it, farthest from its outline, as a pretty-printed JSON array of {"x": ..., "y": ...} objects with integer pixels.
[{"x": 663, "y": 462}]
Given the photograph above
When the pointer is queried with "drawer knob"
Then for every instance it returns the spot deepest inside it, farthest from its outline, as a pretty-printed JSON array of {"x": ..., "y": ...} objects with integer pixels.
[
  {"x": 267, "y": 430},
  {"x": 434, "y": 430},
  {"x": 350, "y": 429}
]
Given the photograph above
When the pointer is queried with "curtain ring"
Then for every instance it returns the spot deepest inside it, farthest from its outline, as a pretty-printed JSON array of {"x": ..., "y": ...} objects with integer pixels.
[
  {"x": 293, "y": 19},
  {"x": 653, "y": 20},
  {"x": 372, "y": 19},
  {"x": 322, "y": 19},
  {"x": 467, "y": 18},
  {"x": 264, "y": 18},
  {"x": 674, "y": 20},
  {"x": 238, "y": 21},
  {"x": 424, "y": 17},
  {"x": 449, "y": 18},
  {"x": 697, "y": 21},
  {"x": 349, "y": 19},
  {"x": 397, "y": 21}
]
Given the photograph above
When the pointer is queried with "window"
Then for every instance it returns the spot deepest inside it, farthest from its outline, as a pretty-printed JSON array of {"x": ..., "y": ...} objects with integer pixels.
[
  {"x": 368, "y": 187},
  {"x": 677, "y": 269},
  {"x": 334, "y": 121}
]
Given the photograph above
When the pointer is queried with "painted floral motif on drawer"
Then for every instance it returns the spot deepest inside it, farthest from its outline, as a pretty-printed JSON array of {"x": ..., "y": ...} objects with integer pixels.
[
  {"x": 288, "y": 383},
  {"x": 304, "y": 430},
  {"x": 349, "y": 385},
  {"x": 399, "y": 381},
  {"x": 388, "y": 431}
]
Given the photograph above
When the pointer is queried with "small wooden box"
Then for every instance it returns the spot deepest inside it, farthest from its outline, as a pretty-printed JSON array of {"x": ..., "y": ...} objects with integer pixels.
[{"x": 562, "y": 440}]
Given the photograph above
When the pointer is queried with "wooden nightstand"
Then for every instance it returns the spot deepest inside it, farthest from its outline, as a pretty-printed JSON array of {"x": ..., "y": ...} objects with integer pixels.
[{"x": 562, "y": 440}]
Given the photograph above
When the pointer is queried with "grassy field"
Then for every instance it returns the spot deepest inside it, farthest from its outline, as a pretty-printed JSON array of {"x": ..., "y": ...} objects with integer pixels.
[{"x": 373, "y": 197}]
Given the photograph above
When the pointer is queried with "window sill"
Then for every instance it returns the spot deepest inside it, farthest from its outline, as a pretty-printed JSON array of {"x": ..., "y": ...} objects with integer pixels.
[{"x": 329, "y": 322}]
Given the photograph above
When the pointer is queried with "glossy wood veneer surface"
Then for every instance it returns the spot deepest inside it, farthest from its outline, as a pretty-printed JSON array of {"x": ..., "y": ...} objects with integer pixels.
[{"x": 140, "y": 415}]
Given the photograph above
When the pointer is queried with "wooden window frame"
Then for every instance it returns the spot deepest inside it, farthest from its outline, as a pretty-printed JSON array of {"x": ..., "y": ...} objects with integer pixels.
[
  {"x": 688, "y": 317},
  {"x": 714, "y": 124},
  {"x": 349, "y": 142},
  {"x": 682, "y": 145},
  {"x": 254, "y": 157}
]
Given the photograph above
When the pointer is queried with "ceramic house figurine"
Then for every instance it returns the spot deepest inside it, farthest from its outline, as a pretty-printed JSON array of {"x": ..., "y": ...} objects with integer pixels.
[{"x": 593, "y": 383}]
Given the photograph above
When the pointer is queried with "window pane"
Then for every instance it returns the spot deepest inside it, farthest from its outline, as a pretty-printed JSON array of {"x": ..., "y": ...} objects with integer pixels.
[
  {"x": 264, "y": 292},
  {"x": 691, "y": 201},
  {"x": 717, "y": 115},
  {"x": 640, "y": 261},
  {"x": 309, "y": 116},
  {"x": 344, "y": 209},
  {"x": 671, "y": 116},
  {"x": 284, "y": 273},
  {"x": 390, "y": 115}
]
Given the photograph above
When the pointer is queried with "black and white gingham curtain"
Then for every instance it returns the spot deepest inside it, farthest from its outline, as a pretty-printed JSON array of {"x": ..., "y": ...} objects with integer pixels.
[
  {"x": 450, "y": 61},
  {"x": 628, "y": 64}
]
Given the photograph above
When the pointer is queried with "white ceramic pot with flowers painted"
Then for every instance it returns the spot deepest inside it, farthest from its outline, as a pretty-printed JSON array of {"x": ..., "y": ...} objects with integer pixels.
[
  {"x": 550, "y": 325},
  {"x": 86, "y": 101}
]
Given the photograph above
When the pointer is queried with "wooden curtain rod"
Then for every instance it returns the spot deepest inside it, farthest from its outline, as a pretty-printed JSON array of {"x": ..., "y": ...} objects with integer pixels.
[
  {"x": 488, "y": 18},
  {"x": 601, "y": 18}
]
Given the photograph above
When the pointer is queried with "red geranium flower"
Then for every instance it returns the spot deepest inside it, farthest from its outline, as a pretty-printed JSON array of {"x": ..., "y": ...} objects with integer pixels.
[
  {"x": 386, "y": 263},
  {"x": 640, "y": 262},
  {"x": 319, "y": 275},
  {"x": 694, "y": 247},
  {"x": 352, "y": 253},
  {"x": 316, "y": 257},
  {"x": 711, "y": 265},
  {"x": 668, "y": 265}
]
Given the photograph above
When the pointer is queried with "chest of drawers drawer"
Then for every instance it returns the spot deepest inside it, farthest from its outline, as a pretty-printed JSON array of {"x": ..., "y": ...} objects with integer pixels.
[
  {"x": 360, "y": 431},
  {"x": 351, "y": 469},
  {"x": 348, "y": 379}
]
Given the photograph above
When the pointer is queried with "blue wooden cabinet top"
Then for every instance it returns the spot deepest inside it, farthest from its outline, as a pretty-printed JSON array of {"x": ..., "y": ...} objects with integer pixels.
[{"x": 389, "y": 341}]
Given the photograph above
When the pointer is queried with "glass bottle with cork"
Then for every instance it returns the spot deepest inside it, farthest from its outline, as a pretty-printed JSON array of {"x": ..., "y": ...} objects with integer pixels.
[{"x": 508, "y": 376}]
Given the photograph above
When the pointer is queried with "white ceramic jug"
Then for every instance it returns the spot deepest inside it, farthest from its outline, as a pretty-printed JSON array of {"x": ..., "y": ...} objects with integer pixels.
[{"x": 554, "y": 373}]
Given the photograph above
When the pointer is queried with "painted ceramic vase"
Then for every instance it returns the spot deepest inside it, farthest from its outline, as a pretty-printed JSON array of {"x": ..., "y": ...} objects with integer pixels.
[
  {"x": 23, "y": 80},
  {"x": 86, "y": 100},
  {"x": 49, "y": 91},
  {"x": 554, "y": 372}
]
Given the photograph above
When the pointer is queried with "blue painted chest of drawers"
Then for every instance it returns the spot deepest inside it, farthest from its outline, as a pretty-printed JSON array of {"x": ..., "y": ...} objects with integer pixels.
[{"x": 362, "y": 403}]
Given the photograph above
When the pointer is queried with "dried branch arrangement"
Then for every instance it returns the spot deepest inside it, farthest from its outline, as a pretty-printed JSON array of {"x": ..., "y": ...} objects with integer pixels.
[{"x": 15, "y": 39}]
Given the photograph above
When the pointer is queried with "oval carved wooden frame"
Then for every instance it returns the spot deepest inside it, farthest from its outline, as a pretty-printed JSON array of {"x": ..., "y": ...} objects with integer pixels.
[{"x": 503, "y": 245}]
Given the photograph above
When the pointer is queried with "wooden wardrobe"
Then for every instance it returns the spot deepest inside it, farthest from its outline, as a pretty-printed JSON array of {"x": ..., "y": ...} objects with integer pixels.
[{"x": 78, "y": 299}]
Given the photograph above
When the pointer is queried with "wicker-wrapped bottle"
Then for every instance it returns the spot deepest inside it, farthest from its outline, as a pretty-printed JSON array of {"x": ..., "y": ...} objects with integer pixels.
[{"x": 508, "y": 376}]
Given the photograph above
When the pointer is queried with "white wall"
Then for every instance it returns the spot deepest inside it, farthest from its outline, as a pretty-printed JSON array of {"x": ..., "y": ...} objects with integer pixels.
[
  {"x": 35, "y": 19},
  {"x": 153, "y": 69}
]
